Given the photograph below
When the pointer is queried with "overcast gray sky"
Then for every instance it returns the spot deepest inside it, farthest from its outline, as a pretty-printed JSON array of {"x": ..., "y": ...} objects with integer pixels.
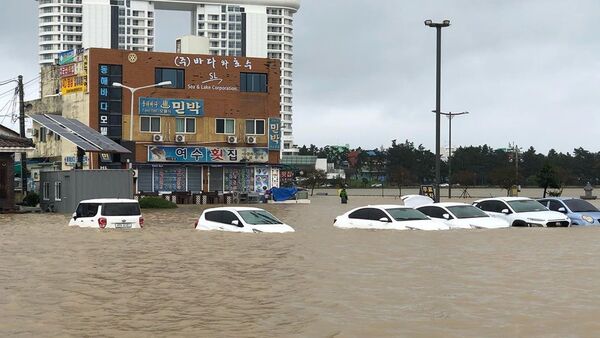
[{"x": 528, "y": 71}]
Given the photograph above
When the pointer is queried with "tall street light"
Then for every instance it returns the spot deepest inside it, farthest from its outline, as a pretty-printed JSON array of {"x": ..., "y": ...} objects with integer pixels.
[
  {"x": 438, "y": 27},
  {"x": 133, "y": 90},
  {"x": 450, "y": 115}
]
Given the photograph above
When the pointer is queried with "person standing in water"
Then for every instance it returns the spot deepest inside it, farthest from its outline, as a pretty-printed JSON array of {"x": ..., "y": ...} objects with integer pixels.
[{"x": 344, "y": 196}]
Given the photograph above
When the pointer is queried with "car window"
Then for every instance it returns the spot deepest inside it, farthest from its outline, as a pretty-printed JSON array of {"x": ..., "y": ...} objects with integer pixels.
[
  {"x": 555, "y": 205},
  {"x": 486, "y": 205},
  {"x": 432, "y": 211},
  {"x": 362, "y": 213},
  {"x": 406, "y": 214},
  {"x": 121, "y": 209},
  {"x": 467, "y": 211},
  {"x": 377, "y": 214},
  {"x": 526, "y": 206},
  {"x": 577, "y": 205},
  {"x": 222, "y": 216},
  {"x": 544, "y": 202},
  {"x": 258, "y": 217},
  {"x": 87, "y": 209}
]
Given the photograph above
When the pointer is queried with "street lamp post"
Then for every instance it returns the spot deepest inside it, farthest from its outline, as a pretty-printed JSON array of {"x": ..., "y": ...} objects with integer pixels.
[
  {"x": 438, "y": 27},
  {"x": 450, "y": 115},
  {"x": 133, "y": 90}
]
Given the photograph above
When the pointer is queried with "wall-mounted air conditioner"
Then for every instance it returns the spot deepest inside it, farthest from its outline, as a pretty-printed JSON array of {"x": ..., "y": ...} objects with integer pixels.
[
  {"x": 251, "y": 139},
  {"x": 231, "y": 139},
  {"x": 157, "y": 138},
  {"x": 179, "y": 138}
]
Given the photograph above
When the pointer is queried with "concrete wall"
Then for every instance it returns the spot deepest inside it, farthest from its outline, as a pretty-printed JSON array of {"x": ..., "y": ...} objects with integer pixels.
[{"x": 77, "y": 185}]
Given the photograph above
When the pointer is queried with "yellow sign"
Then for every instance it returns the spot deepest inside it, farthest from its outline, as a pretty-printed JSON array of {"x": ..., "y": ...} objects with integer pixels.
[{"x": 73, "y": 84}]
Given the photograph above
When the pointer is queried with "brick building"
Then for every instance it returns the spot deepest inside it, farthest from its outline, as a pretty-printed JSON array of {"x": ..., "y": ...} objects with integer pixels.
[{"x": 216, "y": 127}]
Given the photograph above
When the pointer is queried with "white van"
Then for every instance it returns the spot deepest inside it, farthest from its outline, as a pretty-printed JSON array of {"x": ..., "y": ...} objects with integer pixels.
[{"x": 114, "y": 213}]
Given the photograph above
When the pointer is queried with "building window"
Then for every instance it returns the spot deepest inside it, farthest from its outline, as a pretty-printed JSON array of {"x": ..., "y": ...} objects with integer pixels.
[
  {"x": 150, "y": 124},
  {"x": 176, "y": 76},
  {"x": 185, "y": 125},
  {"x": 253, "y": 82},
  {"x": 43, "y": 132},
  {"x": 57, "y": 191},
  {"x": 255, "y": 127},
  {"x": 225, "y": 126},
  {"x": 46, "y": 191}
]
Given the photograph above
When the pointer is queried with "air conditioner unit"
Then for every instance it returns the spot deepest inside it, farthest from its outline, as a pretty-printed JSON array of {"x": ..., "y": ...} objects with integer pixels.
[
  {"x": 32, "y": 131},
  {"x": 231, "y": 139},
  {"x": 251, "y": 139},
  {"x": 135, "y": 173},
  {"x": 35, "y": 174},
  {"x": 179, "y": 138},
  {"x": 157, "y": 138}
]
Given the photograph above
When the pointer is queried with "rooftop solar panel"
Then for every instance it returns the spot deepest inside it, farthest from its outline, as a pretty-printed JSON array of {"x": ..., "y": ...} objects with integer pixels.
[{"x": 81, "y": 135}]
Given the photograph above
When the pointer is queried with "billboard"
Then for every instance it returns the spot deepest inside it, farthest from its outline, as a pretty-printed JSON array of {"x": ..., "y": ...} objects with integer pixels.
[{"x": 192, "y": 154}]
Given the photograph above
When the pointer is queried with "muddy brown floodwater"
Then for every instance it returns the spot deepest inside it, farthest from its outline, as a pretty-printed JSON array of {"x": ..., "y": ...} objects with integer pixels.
[{"x": 170, "y": 280}]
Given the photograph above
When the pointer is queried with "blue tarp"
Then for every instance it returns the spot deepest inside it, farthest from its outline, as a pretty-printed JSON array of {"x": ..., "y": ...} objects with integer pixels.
[{"x": 283, "y": 194}]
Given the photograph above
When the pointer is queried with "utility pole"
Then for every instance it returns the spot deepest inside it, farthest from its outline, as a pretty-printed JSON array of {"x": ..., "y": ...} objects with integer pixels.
[{"x": 22, "y": 133}]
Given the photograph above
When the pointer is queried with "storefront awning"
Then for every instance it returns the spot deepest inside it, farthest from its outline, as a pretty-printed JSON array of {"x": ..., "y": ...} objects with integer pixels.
[{"x": 82, "y": 136}]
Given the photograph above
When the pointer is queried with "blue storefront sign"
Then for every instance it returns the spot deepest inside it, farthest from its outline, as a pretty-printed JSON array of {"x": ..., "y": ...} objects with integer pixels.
[
  {"x": 274, "y": 133},
  {"x": 171, "y": 107},
  {"x": 166, "y": 154}
]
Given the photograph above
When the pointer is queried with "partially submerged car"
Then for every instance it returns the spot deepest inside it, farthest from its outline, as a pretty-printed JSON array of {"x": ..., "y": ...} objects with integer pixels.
[
  {"x": 581, "y": 212},
  {"x": 240, "y": 219},
  {"x": 462, "y": 216},
  {"x": 108, "y": 213},
  {"x": 522, "y": 212},
  {"x": 385, "y": 217}
]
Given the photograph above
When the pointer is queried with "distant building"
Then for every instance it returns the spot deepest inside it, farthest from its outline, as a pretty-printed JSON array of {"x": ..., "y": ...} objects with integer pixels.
[
  {"x": 251, "y": 28},
  {"x": 216, "y": 127}
]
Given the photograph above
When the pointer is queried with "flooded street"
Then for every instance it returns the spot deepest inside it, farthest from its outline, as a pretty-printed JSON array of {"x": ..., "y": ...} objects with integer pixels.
[{"x": 171, "y": 280}]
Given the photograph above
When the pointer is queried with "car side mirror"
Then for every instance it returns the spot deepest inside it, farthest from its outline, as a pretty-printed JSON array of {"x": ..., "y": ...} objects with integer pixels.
[
  {"x": 74, "y": 215},
  {"x": 384, "y": 219},
  {"x": 505, "y": 211},
  {"x": 563, "y": 210},
  {"x": 446, "y": 216},
  {"x": 235, "y": 222}
]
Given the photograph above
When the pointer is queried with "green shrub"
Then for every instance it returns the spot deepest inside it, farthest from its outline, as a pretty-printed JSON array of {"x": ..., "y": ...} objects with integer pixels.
[
  {"x": 31, "y": 199},
  {"x": 156, "y": 203}
]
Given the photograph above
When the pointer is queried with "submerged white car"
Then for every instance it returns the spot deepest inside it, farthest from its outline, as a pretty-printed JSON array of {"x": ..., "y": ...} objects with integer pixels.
[
  {"x": 394, "y": 217},
  {"x": 112, "y": 213},
  {"x": 240, "y": 219},
  {"x": 462, "y": 216},
  {"x": 522, "y": 211}
]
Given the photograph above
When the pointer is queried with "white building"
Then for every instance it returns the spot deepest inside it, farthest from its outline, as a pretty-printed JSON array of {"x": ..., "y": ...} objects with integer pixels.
[{"x": 252, "y": 28}]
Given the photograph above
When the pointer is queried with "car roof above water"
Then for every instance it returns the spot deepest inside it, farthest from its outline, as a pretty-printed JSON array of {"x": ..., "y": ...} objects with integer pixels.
[
  {"x": 233, "y": 208},
  {"x": 110, "y": 200}
]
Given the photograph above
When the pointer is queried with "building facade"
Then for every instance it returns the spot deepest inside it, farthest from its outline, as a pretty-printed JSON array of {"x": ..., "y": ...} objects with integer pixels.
[
  {"x": 252, "y": 28},
  {"x": 216, "y": 127}
]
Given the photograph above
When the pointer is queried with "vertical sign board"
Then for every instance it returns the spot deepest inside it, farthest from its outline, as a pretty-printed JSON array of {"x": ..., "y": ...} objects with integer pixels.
[
  {"x": 274, "y": 133},
  {"x": 110, "y": 101}
]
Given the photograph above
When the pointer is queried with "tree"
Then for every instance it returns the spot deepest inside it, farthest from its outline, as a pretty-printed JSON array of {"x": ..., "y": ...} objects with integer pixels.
[
  {"x": 315, "y": 177},
  {"x": 503, "y": 178},
  {"x": 547, "y": 178},
  {"x": 398, "y": 175}
]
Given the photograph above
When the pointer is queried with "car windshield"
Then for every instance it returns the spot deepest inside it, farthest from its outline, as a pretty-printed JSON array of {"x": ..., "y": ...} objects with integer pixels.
[
  {"x": 255, "y": 217},
  {"x": 121, "y": 209},
  {"x": 526, "y": 206},
  {"x": 467, "y": 211},
  {"x": 406, "y": 214},
  {"x": 577, "y": 205}
]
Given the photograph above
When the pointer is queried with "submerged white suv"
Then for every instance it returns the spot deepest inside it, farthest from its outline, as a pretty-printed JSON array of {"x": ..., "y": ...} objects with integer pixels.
[
  {"x": 104, "y": 213},
  {"x": 522, "y": 211}
]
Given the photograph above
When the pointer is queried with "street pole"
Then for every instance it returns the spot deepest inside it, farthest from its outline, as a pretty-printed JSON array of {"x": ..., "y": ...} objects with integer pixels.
[
  {"x": 22, "y": 134},
  {"x": 133, "y": 90},
  {"x": 438, "y": 80},
  {"x": 450, "y": 115}
]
